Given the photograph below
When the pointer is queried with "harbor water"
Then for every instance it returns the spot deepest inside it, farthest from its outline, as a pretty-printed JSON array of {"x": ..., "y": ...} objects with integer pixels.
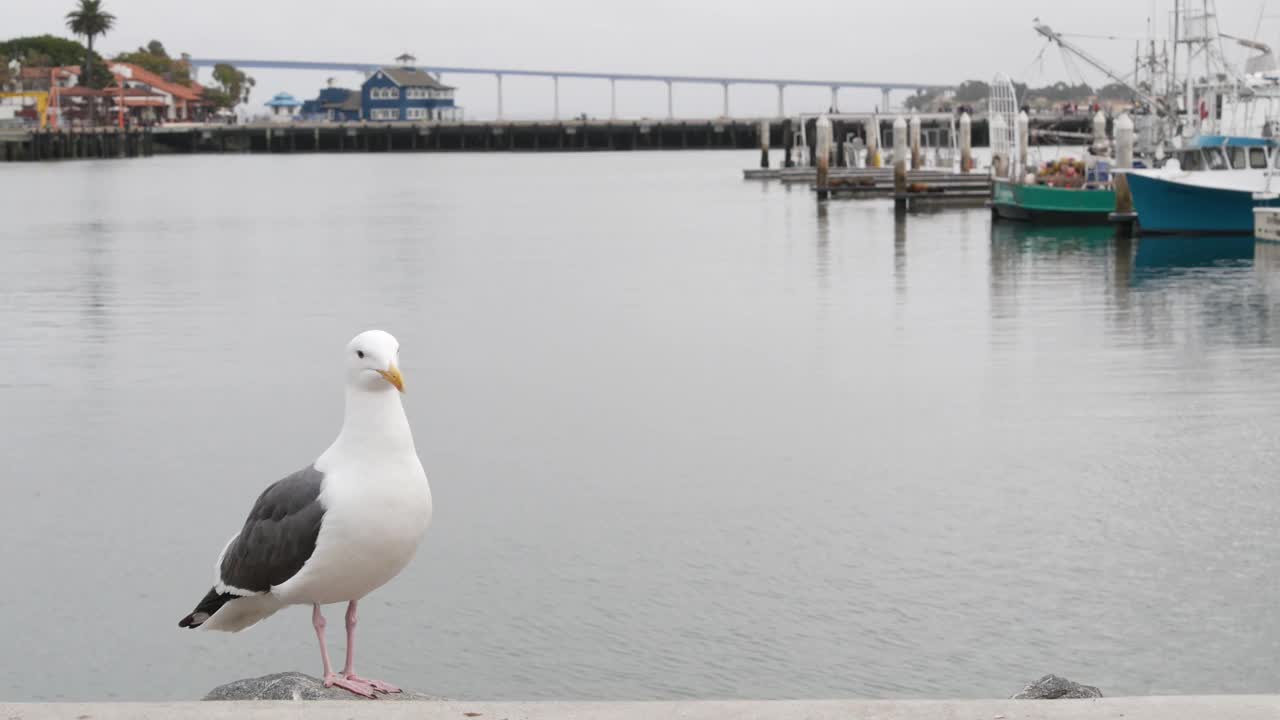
[{"x": 689, "y": 436}]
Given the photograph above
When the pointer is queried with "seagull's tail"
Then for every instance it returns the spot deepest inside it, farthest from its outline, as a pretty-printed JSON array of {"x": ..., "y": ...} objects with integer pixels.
[{"x": 229, "y": 612}]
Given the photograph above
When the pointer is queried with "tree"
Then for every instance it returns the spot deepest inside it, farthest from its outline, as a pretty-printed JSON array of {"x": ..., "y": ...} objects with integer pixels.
[
  {"x": 154, "y": 58},
  {"x": 90, "y": 20},
  {"x": 972, "y": 91},
  {"x": 48, "y": 51},
  {"x": 233, "y": 87}
]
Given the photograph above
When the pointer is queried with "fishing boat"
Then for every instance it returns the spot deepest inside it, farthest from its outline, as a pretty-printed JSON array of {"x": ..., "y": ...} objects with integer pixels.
[
  {"x": 1210, "y": 186},
  {"x": 1064, "y": 191}
]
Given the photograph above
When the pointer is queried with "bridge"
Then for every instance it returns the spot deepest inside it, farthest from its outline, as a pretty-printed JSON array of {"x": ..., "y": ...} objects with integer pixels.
[{"x": 725, "y": 83}]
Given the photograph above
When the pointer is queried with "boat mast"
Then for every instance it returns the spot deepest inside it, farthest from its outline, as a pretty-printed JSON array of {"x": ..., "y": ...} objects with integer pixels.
[{"x": 1045, "y": 30}]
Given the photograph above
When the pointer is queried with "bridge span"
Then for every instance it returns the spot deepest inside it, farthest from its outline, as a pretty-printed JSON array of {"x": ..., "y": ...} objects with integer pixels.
[{"x": 885, "y": 87}]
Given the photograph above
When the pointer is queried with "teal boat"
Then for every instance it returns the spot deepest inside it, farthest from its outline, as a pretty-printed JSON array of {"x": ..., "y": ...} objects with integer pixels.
[{"x": 1049, "y": 204}]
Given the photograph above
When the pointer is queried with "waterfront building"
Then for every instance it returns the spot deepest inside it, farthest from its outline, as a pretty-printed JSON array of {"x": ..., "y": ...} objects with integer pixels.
[
  {"x": 178, "y": 102},
  {"x": 406, "y": 93},
  {"x": 284, "y": 107},
  {"x": 333, "y": 104}
]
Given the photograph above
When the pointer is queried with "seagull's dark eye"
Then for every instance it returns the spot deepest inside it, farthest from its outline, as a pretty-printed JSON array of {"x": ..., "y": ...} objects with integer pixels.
[{"x": 360, "y": 354}]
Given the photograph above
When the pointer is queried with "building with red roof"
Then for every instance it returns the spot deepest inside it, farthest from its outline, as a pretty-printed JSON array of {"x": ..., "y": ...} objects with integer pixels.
[{"x": 165, "y": 100}]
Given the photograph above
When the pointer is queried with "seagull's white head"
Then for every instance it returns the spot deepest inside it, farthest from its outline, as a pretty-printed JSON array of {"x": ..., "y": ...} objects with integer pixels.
[{"x": 373, "y": 361}]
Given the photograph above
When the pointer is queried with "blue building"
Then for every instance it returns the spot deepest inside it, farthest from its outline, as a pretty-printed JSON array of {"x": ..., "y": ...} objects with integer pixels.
[
  {"x": 284, "y": 107},
  {"x": 334, "y": 105},
  {"x": 406, "y": 93}
]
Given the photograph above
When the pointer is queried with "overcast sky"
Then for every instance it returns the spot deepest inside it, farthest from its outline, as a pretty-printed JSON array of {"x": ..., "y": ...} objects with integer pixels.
[{"x": 928, "y": 41}]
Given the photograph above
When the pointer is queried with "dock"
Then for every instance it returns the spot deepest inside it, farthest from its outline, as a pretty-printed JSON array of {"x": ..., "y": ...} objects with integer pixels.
[
  {"x": 571, "y": 135},
  {"x": 469, "y": 136},
  {"x": 368, "y": 136},
  {"x": 107, "y": 142}
]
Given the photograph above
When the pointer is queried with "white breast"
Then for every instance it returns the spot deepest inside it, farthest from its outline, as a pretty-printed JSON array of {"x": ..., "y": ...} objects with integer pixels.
[{"x": 375, "y": 516}]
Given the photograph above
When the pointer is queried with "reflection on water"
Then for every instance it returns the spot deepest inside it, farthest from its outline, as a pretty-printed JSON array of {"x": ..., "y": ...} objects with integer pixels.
[
  {"x": 688, "y": 436},
  {"x": 1160, "y": 256}
]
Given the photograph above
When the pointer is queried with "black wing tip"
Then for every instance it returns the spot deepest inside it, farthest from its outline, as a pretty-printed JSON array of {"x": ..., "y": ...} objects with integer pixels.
[{"x": 210, "y": 604}]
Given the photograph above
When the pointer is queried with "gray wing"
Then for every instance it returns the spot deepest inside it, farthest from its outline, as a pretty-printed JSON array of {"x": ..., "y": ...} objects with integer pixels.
[{"x": 278, "y": 537}]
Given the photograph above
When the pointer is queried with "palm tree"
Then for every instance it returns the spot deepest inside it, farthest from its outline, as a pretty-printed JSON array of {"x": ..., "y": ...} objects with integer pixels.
[{"x": 90, "y": 20}]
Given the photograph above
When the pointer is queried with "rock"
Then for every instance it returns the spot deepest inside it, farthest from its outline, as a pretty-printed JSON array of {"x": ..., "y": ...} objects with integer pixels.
[
  {"x": 1052, "y": 687},
  {"x": 295, "y": 686}
]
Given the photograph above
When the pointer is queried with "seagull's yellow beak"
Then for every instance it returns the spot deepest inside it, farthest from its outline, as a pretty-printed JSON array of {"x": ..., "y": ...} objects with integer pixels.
[{"x": 393, "y": 376}]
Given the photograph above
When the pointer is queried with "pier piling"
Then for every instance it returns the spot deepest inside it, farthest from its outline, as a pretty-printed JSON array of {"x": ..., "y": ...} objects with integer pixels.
[
  {"x": 822, "y": 154},
  {"x": 1123, "y": 214},
  {"x": 900, "y": 165},
  {"x": 966, "y": 143},
  {"x": 787, "y": 141},
  {"x": 1024, "y": 139},
  {"x": 764, "y": 143},
  {"x": 914, "y": 137},
  {"x": 999, "y": 161},
  {"x": 872, "y": 128},
  {"x": 1099, "y": 133}
]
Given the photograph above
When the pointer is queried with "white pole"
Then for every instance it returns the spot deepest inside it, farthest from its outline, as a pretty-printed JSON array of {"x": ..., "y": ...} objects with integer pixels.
[
  {"x": 1124, "y": 141},
  {"x": 822, "y": 153},
  {"x": 899, "y": 162},
  {"x": 913, "y": 136},
  {"x": 499, "y": 76},
  {"x": 724, "y": 87},
  {"x": 899, "y": 141},
  {"x": 555, "y": 82},
  {"x": 835, "y": 99},
  {"x": 781, "y": 107},
  {"x": 1124, "y": 159},
  {"x": 999, "y": 129},
  {"x": 872, "y": 128},
  {"x": 1024, "y": 138},
  {"x": 613, "y": 98},
  {"x": 764, "y": 143},
  {"x": 966, "y": 143},
  {"x": 670, "y": 111}
]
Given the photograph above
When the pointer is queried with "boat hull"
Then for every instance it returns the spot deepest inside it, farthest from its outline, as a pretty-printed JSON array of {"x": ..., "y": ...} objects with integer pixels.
[
  {"x": 1165, "y": 206},
  {"x": 1051, "y": 205}
]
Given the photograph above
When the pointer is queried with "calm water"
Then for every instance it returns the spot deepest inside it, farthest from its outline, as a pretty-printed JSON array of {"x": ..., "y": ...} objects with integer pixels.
[{"x": 688, "y": 436}]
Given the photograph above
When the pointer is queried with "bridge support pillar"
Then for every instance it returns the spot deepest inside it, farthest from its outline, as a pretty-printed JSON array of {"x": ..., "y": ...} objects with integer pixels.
[
  {"x": 835, "y": 99},
  {"x": 670, "y": 106},
  {"x": 555, "y": 83},
  {"x": 884, "y": 100},
  {"x": 499, "y": 76},
  {"x": 724, "y": 87},
  {"x": 782, "y": 109},
  {"x": 613, "y": 99}
]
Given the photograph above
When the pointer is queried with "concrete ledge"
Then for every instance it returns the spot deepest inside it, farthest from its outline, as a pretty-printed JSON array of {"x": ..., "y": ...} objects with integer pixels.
[{"x": 1189, "y": 707}]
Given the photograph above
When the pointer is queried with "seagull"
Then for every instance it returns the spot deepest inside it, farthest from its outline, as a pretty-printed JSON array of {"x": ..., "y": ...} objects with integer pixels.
[{"x": 337, "y": 529}]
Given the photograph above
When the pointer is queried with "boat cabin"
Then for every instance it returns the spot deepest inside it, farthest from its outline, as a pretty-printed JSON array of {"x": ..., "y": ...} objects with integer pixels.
[{"x": 1221, "y": 152}]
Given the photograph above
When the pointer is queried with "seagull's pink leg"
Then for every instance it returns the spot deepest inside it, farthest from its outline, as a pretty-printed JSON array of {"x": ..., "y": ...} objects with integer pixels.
[
  {"x": 349, "y": 672},
  {"x": 332, "y": 679}
]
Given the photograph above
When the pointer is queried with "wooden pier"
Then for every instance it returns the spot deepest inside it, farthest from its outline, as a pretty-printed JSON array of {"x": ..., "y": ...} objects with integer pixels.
[
  {"x": 496, "y": 136},
  {"x": 301, "y": 137},
  {"x": 34, "y": 145}
]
